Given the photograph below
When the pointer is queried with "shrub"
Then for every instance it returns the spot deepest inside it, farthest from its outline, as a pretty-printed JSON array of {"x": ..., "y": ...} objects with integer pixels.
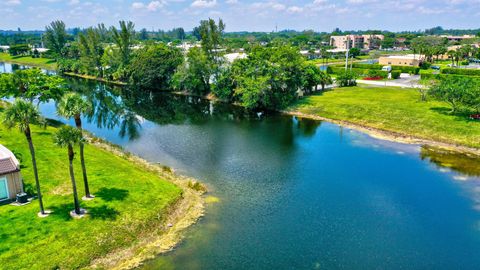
[
  {"x": 377, "y": 74},
  {"x": 461, "y": 71},
  {"x": 396, "y": 74},
  {"x": 347, "y": 78}
]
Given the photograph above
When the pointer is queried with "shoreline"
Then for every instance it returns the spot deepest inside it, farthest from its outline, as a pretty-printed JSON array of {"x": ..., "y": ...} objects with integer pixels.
[
  {"x": 93, "y": 78},
  {"x": 387, "y": 135},
  {"x": 170, "y": 232}
]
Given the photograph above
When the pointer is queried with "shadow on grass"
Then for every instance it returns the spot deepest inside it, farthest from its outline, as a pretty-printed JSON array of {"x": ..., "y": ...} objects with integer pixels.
[
  {"x": 54, "y": 123},
  {"x": 112, "y": 194},
  {"x": 458, "y": 116},
  {"x": 103, "y": 212},
  {"x": 62, "y": 211}
]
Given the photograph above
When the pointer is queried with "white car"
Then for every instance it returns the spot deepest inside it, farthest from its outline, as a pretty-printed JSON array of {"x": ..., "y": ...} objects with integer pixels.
[{"x": 387, "y": 68}]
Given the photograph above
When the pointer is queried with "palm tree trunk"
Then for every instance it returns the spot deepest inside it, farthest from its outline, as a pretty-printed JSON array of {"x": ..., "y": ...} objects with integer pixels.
[
  {"x": 72, "y": 177},
  {"x": 35, "y": 171},
  {"x": 78, "y": 123}
]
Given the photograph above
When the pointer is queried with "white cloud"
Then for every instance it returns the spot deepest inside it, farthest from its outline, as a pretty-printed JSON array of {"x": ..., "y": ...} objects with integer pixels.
[
  {"x": 152, "y": 6},
  {"x": 13, "y": 2},
  {"x": 204, "y": 3}
]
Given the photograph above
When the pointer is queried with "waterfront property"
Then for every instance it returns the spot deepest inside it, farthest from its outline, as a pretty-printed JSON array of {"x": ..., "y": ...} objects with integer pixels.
[{"x": 11, "y": 182}]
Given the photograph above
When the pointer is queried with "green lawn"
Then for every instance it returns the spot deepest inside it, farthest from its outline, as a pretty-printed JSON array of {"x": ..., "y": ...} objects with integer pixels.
[
  {"x": 131, "y": 201},
  {"x": 393, "y": 109},
  {"x": 27, "y": 60}
]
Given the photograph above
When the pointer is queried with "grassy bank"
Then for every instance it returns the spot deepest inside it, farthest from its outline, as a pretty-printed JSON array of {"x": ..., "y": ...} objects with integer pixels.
[
  {"x": 29, "y": 61},
  {"x": 132, "y": 204},
  {"x": 393, "y": 109}
]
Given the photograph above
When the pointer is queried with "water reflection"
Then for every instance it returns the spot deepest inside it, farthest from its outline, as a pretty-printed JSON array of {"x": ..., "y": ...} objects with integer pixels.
[{"x": 460, "y": 162}]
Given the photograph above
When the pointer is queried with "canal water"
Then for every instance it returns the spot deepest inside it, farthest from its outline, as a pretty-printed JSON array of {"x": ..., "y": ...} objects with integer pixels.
[{"x": 289, "y": 193}]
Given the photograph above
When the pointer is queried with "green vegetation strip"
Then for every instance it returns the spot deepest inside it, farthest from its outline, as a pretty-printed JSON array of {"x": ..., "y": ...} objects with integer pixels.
[
  {"x": 132, "y": 202},
  {"x": 393, "y": 109},
  {"x": 45, "y": 63}
]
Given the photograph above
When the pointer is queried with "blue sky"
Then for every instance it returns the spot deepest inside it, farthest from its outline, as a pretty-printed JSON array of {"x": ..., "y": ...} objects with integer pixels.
[{"x": 248, "y": 15}]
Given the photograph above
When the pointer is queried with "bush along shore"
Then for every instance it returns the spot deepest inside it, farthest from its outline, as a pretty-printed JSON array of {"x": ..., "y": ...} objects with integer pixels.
[{"x": 139, "y": 209}]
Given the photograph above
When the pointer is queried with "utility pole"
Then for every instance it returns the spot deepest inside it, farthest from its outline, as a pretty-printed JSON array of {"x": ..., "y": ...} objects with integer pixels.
[{"x": 346, "y": 55}]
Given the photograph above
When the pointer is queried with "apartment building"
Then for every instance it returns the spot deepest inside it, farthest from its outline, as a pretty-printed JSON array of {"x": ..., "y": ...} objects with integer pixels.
[{"x": 363, "y": 42}]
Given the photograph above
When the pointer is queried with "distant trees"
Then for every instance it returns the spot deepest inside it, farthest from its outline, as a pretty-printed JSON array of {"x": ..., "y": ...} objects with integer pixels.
[
  {"x": 124, "y": 39},
  {"x": 429, "y": 46},
  {"x": 153, "y": 67},
  {"x": 268, "y": 79},
  {"x": 20, "y": 49},
  {"x": 195, "y": 74},
  {"x": 91, "y": 51},
  {"x": 56, "y": 37}
]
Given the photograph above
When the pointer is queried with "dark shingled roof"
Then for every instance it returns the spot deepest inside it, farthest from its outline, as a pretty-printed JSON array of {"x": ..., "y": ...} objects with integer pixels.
[{"x": 7, "y": 166}]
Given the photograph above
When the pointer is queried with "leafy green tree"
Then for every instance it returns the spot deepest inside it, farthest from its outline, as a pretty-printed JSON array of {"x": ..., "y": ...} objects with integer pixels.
[
  {"x": 311, "y": 77},
  {"x": 224, "y": 85},
  {"x": 73, "y": 105},
  {"x": 453, "y": 90},
  {"x": 347, "y": 78},
  {"x": 20, "y": 49},
  {"x": 91, "y": 51},
  {"x": 211, "y": 36},
  {"x": 269, "y": 78},
  {"x": 325, "y": 79},
  {"x": 56, "y": 37},
  {"x": 194, "y": 75},
  {"x": 153, "y": 67},
  {"x": 22, "y": 114},
  {"x": 354, "y": 52},
  {"x": 68, "y": 136},
  {"x": 31, "y": 84},
  {"x": 124, "y": 39}
]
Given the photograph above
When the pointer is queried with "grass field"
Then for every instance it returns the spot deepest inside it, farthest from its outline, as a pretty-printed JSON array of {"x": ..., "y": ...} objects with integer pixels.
[
  {"x": 393, "y": 109},
  {"x": 130, "y": 202},
  {"x": 27, "y": 60}
]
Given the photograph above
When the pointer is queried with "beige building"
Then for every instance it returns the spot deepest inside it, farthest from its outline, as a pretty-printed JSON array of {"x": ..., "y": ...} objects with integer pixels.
[
  {"x": 363, "y": 42},
  {"x": 401, "y": 60},
  {"x": 457, "y": 38},
  {"x": 10, "y": 178}
]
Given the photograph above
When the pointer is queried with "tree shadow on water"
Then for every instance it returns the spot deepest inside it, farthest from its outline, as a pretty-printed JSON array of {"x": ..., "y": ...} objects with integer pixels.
[{"x": 112, "y": 194}]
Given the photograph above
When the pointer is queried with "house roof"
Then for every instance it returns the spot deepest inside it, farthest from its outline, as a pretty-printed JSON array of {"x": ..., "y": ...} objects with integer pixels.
[{"x": 8, "y": 161}]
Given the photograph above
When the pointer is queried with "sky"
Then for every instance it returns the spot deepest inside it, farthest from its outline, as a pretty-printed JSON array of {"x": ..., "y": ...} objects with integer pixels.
[{"x": 246, "y": 15}]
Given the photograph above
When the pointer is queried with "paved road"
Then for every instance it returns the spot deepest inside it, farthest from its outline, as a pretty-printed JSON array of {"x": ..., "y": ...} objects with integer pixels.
[{"x": 405, "y": 81}]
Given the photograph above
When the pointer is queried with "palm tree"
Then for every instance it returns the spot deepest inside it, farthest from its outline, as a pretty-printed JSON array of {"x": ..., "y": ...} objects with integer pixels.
[
  {"x": 72, "y": 105},
  {"x": 21, "y": 114},
  {"x": 68, "y": 136},
  {"x": 325, "y": 79}
]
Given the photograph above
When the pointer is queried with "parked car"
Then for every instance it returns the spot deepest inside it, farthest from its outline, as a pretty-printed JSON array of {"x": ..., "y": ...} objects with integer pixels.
[
  {"x": 435, "y": 67},
  {"x": 387, "y": 68}
]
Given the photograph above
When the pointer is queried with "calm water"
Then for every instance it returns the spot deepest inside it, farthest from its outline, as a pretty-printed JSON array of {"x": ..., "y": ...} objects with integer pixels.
[{"x": 298, "y": 194}]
